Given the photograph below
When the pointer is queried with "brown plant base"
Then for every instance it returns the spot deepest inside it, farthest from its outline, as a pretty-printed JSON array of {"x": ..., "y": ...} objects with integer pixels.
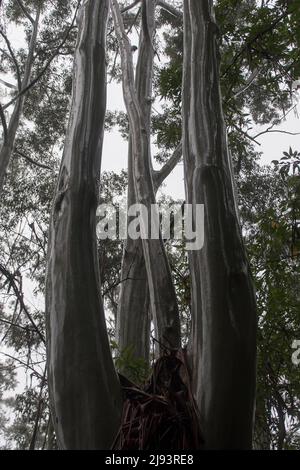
[{"x": 163, "y": 415}]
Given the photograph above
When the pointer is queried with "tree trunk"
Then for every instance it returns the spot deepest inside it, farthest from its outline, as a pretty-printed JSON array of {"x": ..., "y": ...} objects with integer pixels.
[
  {"x": 162, "y": 295},
  {"x": 8, "y": 145},
  {"x": 134, "y": 317},
  {"x": 84, "y": 388},
  {"x": 223, "y": 340}
]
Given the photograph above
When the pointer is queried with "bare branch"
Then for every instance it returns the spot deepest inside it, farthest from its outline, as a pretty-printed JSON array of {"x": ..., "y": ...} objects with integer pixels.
[
  {"x": 25, "y": 11},
  {"x": 170, "y": 9},
  {"x": 22, "y": 363},
  {"x": 10, "y": 277},
  {"x": 33, "y": 162},
  {"x": 248, "y": 83},
  {"x": 15, "y": 325},
  {"x": 245, "y": 134},
  {"x": 39, "y": 412},
  {"x": 163, "y": 173},
  {"x": 268, "y": 131},
  {"x": 14, "y": 59},
  {"x": 129, "y": 7}
]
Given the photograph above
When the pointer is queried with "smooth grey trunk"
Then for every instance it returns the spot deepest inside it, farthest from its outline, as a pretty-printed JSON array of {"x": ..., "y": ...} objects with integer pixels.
[
  {"x": 134, "y": 316},
  {"x": 162, "y": 295},
  {"x": 84, "y": 388},
  {"x": 7, "y": 148},
  {"x": 223, "y": 339}
]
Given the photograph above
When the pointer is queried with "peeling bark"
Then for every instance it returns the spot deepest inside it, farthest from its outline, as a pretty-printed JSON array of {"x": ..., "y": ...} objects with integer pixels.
[
  {"x": 162, "y": 295},
  {"x": 223, "y": 340},
  {"x": 12, "y": 128},
  {"x": 84, "y": 388}
]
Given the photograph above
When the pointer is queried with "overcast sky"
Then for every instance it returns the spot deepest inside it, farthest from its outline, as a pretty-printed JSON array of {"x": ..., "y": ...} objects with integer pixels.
[{"x": 272, "y": 144}]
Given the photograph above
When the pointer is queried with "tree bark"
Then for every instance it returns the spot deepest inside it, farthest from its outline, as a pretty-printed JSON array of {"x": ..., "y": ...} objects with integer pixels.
[
  {"x": 84, "y": 388},
  {"x": 8, "y": 145},
  {"x": 223, "y": 339},
  {"x": 162, "y": 295}
]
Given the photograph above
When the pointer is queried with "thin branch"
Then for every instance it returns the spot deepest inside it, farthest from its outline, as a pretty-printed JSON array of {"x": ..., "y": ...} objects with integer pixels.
[
  {"x": 245, "y": 134},
  {"x": 19, "y": 296},
  {"x": 129, "y": 7},
  {"x": 33, "y": 162},
  {"x": 25, "y": 11},
  {"x": 164, "y": 172},
  {"x": 14, "y": 59},
  {"x": 268, "y": 131},
  {"x": 39, "y": 412},
  {"x": 116, "y": 284},
  {"x": 173, "y": 11},
  {"x": 24, "y": 364},
  {"x": 48, "y": 63},
  {"x": 25, "y": 328},
  {"x": 248, "y": 83}
]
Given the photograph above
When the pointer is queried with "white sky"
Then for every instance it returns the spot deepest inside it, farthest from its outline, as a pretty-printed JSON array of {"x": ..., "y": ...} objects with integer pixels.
[{"x": 272, "y": 144}]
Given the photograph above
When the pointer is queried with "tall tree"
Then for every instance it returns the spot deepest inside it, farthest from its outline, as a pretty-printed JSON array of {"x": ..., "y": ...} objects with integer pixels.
[
  {"x": 163, "y": 302},
  {"x": 134, "y": 313},
  {"x": 84, "y": 388}
]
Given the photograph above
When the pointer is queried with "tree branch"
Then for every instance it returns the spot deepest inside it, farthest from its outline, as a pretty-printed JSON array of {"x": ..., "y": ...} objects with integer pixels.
[
  {"x": 15, "y": 325},
  {"x": 247, "y": 85},
  {"x": 14, "y": 59},
  {"x": 25, "y": 11},
  {"x": 268, "y": 131},
  {"x": 164, "y": 172},
  {"x": 22, "y": 363},
  {"x": 245, "y": 133},
  {"x": 33, "y": 162},
  {"x": 19, "y": 296},
  {"x": 173, "y": 11},
  {"x": 129, "y": 7}
]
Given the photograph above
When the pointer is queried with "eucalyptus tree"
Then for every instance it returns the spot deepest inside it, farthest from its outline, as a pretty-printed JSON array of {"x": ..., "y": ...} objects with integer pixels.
[
  {"x": 256, "y": 77},
  {"x": 136, "y": 301},
  {"x": 84, "y": 388}
]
